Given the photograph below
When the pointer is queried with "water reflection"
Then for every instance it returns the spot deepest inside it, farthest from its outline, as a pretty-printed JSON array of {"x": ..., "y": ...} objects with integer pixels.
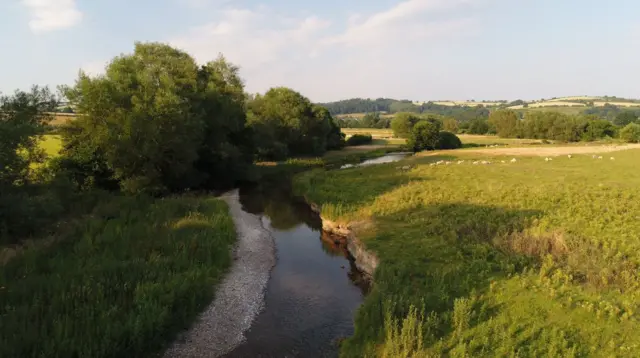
[
  {"x": 314, "y": 289},
  {"x": 389, "y": 158}
]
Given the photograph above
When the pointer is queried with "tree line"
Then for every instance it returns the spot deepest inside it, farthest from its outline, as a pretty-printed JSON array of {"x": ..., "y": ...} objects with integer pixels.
[
  {"x": 156, "y": 122},
  {"x": 562, "y": 127}
]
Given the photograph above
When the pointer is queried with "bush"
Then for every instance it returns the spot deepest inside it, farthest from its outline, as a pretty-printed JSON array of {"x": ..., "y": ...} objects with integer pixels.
[
  {"x": 631, "y": 133},
  {"x": 424, "y": 135},
  {"x": 360, "y": 139},
  {"x": 448, "y": 140}
]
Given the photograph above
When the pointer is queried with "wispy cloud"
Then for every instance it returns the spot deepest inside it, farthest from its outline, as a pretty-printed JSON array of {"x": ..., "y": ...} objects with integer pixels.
[
  {"x": 405, "y": 21},
  {"x": 252, "y": 38},
  {"x": 49, "y": 15}
]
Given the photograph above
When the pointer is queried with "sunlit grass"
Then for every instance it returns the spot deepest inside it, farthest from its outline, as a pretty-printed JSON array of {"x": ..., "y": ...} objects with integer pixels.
[
  {"x": 51, "y": 144},
  {"x": 531, "y": 258},
  {"x": 121, "y": 283}
]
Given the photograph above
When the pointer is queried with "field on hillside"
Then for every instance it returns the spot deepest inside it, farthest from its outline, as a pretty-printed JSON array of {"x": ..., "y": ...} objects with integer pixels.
[
  {"x": 61, "y": 118},
  {"x": 361, "y": 115},
  {"x": 525, "y": 258},
  {"x": 375, "y": 132},
  {"x": 467, "y": 103},
  {"x": 120, "y": 282},
  {"x": 565, "y": 110}
]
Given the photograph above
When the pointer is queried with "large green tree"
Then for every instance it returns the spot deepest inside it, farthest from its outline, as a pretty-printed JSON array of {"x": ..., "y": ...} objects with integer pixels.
[
  {"x": 23, "y": 118},
  {"x": 285, "y": 123},
  {"x": 159, "y": 122},
  {"x": 402, "y": 124},
  {"x": 505, "y": 122},
  {"x": 625, "y": 117}
]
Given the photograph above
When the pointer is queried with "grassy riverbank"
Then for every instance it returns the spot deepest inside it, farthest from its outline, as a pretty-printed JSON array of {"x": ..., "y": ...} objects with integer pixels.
[
  {"x": 120, "y": 282},
  {"x": 531, "y": 258}
]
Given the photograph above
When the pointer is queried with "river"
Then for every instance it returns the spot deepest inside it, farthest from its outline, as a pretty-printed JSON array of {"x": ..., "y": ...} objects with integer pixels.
[{"x": 314, "y": 288}]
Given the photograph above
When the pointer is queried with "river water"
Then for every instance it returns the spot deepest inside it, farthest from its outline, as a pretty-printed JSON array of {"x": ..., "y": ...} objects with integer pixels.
[{"x": 314, "y": 288}]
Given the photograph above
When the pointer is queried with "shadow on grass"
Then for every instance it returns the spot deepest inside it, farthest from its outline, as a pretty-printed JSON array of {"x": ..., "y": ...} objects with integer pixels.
[
  {"x": 432, "y": 255},
  {"x": 351, "y": 188}
]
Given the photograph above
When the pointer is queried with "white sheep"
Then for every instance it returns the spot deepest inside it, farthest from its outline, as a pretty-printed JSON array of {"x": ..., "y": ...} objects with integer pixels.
[
  {"x": 612, "y": 158},
  {"x": 514, "y": 160},
  {"x": 406, "y": 167},
  {"x": 503, "y": 162},
  {"x": 475, "y": 163},
  {"x": 600, "y": 157},
  {"x": 569, "y": 156}
]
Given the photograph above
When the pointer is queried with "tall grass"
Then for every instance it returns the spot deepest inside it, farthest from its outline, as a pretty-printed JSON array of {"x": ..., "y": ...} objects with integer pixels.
[
  {"x": 531, "y": 258},
  {"x": 120, "y": 283}
]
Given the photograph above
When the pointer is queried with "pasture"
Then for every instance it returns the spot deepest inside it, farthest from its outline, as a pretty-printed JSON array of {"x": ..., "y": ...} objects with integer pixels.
[
  {"x": 528, "y": 258},
  {"x": 121, "y": 281}
]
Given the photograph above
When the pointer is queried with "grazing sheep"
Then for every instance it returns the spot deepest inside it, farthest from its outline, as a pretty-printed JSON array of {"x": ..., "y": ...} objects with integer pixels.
[
  {"x": 569, "y": 156},
  {"x": 460, "y": 161},
  {"x": 503, "y": 162},
  {"x": 612, "y": 158},
  {"x": 514, "y": 160},
  {"x": 432, "y": 164},
  {"x": 485, "y": 162},
  {"x": 600, "y": 157},
  {"x": 475, "y": 163},
  {"x": 406, "y": 167}
]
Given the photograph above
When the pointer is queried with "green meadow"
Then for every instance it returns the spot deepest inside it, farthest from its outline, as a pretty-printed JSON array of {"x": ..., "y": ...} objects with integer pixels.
[
  {"x": 121, "y": 281},
  {"x": 532, "y": 258}
]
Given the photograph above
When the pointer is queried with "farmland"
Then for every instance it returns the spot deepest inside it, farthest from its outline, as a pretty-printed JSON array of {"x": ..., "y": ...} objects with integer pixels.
[{"x": 529, "y": 258}]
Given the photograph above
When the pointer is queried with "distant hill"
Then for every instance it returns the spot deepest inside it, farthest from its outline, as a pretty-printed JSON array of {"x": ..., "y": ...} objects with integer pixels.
[{"x": 571, "y": 104}]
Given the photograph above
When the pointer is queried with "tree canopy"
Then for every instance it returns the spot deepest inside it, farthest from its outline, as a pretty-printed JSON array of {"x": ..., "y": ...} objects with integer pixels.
[{"x": 159, "y": 122}]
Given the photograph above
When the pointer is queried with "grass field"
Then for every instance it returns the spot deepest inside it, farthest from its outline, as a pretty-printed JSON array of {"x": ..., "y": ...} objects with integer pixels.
[
  {"x": 527, "y": 259},
  {"x": 61, "y": 118},
  {"x": 51, "y": 144},
  {"x": 121, "y": 282},
  {"x": 375, "y": 132},
  {"x": 361, "y": 115}
]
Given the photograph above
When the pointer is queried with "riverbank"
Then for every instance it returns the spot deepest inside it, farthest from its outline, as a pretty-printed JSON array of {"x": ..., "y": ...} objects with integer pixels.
[
  {"x": 545, "y": 251},
  {"x": 121, "y": 281},
  {"x": 239, "y": 297}
]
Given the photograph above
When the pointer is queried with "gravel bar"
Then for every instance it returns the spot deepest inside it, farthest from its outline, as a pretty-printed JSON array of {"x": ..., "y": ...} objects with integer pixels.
[{"x": 239, "y": 297}]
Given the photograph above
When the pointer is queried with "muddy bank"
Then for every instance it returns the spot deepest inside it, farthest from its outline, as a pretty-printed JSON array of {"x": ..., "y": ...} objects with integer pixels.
[
  {"x": 240, "y": 296},
  {"x": 366, "y": 262}
]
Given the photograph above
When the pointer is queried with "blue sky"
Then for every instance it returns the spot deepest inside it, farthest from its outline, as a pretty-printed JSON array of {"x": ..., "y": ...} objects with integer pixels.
[{"x": 336, "y": 49}]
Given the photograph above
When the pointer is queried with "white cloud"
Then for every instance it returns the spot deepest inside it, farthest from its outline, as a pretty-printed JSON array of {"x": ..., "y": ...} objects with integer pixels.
[
  {"x": 94, "y": 68},
  {"x": 48, "y": 15},
  {"x": 201, "y": 4},
  {"x": 252, "y": 38},
  {"x": 361, "y": 56}
]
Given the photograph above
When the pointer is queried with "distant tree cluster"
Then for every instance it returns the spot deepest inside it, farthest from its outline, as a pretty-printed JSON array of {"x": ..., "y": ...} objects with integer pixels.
[
  {"x": 551, "y": 125},
  {"x": 612, "y": 112},
  {"x": 359, "y": 105},
  {"x": 369, "y": 120}
]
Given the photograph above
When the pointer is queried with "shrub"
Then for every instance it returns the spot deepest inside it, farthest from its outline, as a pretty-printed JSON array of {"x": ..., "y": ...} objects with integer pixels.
[
  {"x": 448, "y": 140},
  {"x": 424, "y": 135},
  {"x": 360, "y": 139},
  {"x": 630, "y": 133}
]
